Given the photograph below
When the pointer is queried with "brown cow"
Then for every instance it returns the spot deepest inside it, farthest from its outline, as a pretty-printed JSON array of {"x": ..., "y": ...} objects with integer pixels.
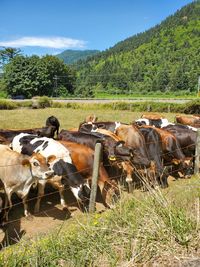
[
  {"x": 152, "y": 116},
  {"x": 188, "y": 120},
  {"x": 134, "y": 139},
  {"x": 91, "y": 118},
  {"x": 83, "y": 158},
  {"x": 173, "y": 154},
  {"x": 125, "y": 165}
]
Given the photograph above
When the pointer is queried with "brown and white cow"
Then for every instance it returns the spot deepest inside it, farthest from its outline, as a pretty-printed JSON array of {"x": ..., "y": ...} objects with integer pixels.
[
  {"x": 83, "y": 159},
  {"x": 152, "y": 116},
  {"x": 61, "y": 163},
  {"x": 188, "y": 120},
  {"x": 19, "y": 172}
]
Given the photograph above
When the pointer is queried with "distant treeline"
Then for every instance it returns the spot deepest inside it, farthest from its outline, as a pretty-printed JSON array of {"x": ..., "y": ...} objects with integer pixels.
[{"x": 164, "y": 59}]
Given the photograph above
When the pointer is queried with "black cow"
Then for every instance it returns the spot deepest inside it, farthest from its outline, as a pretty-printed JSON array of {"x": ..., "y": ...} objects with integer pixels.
[
  {"x": 186, "y": 137},
  {"x": 53, "y": 121},
  {"x": 7, "y": 135},
  {"x": 159, "y": 123},
  {"x": 173, "y": 154},
  {"x": 91, "y": 127},
  {"x": 154, "y": 151},
  {"x": 111, "y": 148}
]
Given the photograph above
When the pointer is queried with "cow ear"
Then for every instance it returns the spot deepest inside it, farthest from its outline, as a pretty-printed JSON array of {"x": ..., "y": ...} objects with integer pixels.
[
  {"x": 51, "y": 158},
  {"x": 25, "y": 162}
]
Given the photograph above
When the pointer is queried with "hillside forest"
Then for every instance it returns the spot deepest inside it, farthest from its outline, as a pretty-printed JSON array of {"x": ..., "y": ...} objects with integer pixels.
[{"x": 165, "y": 58}]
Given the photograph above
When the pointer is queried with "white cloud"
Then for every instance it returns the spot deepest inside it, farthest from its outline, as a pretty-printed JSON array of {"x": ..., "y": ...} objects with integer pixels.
[{"x": 48, "y": 42}]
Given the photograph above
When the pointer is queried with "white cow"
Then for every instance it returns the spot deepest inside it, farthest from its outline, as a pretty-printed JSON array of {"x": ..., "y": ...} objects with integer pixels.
[
  {"x": 61, "y": 164},
  {"x": 19, "y": 172}
]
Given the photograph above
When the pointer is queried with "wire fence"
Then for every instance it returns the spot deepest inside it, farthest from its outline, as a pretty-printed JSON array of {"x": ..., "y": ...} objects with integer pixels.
[{"x": 117, "y": 177}]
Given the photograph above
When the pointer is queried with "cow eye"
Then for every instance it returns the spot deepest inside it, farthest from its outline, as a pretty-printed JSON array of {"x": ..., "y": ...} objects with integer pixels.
[{"x": 36, "y": 164}]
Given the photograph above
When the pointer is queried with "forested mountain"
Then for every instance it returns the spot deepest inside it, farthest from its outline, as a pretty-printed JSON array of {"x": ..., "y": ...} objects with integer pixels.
[
  {"x": 72, "y": 56},
  {"x": 164, "y": 58}
]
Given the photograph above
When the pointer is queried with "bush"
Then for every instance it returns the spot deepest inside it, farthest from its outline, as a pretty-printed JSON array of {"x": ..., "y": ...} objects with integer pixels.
[
  {"x": 192, "y": 107},
  {"x": 42, "y": 102},
  {"x": 5, "y": 104}
]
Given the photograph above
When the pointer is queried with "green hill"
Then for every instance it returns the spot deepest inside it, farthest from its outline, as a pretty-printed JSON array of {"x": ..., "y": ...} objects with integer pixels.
[
  {"x": 72, "y": 56},
  {"x": 164, "y": 58}
]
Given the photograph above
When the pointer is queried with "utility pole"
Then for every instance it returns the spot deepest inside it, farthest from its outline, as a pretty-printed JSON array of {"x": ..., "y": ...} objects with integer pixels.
[
  {"x": 56, "y": 83},
  {"x": 198, "y": 88}
]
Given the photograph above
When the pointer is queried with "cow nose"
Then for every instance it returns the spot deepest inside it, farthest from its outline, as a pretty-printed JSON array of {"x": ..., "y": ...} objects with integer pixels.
[{"x": 49, "y": 173}]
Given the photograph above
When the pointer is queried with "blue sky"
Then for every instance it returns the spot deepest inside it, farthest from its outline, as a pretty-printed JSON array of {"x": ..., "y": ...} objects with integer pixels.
[{"x": 52, "y": 26}]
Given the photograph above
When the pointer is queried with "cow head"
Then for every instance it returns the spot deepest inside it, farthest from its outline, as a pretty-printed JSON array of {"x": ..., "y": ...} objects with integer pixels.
[
  {"x": 48, "y": 131},
  {"x": 38, "y": 165},
  {"x": 115, "y": 149},
  {"x": 72, "y": 178},
  {"x": 183, "y": 168}
]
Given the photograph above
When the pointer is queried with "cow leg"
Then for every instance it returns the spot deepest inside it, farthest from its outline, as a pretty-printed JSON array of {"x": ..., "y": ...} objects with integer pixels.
[
  {"x": 129, "y": 180},
  {"x": 26, "y": 213},
  {"x": 8, "y": 202},
  {"x": 57, "y": 184},
  {"x": 41, "y": 187},
  {"x": 62, "y": 198},
  {"x": 108, "y": 192}
]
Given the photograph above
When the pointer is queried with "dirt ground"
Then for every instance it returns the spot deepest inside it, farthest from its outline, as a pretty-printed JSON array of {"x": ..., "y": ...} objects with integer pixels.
[{"x": 51, "y": 215}]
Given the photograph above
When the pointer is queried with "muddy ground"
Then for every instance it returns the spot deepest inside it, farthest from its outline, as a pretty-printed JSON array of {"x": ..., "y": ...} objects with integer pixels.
[{"x": 51, "y": 215}]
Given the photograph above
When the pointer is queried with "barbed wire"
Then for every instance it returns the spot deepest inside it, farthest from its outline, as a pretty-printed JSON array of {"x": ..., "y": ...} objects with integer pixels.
[{"x": 68, "y": 187}]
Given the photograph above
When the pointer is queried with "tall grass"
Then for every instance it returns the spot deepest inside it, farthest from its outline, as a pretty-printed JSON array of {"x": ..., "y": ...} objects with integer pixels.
[{"x": 160, "y": 227}]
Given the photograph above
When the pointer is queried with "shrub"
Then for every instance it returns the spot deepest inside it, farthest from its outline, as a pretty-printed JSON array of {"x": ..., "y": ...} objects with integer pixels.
[
  {"x": 192, "y": 107},
  {"x": 42, "y": 102},
  {"x": 5, "y": 104}
]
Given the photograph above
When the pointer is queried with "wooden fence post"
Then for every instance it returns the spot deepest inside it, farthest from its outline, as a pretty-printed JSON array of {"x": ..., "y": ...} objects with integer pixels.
[
  {"x": 197, "y": 153},
  {"x": 95, "y": 174}
]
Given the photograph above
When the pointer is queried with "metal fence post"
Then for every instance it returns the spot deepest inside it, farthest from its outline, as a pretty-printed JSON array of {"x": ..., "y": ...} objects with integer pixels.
[
  {"x": 95, "y": 174},
  {"x": 197, "y": 153}
]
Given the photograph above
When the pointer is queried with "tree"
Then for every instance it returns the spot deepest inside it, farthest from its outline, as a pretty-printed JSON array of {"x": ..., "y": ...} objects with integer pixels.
[
  {"x": 32, "y": 76},
  {"x": 60, "y": 75},
  {"x": 7, "y": 54}
]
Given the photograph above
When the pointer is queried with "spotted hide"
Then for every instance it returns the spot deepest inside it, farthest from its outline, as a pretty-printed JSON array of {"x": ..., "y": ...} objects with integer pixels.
[{"x": 61, "y": 164}]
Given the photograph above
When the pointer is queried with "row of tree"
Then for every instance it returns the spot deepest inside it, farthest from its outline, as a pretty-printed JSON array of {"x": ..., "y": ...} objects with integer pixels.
[
  {"x": 35, "y": 76},
  {"x": 165, "y": 58}
]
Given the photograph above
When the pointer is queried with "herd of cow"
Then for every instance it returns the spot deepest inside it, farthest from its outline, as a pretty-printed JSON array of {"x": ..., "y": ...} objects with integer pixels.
[{"x": 143, "y": 153}]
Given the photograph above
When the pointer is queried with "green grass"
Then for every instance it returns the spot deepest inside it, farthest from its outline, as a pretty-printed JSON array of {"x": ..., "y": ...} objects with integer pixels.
[
  {"x": 159, "y": 226},
  {"x": 147, "y": 95},
  {"x": 69, "y": 118}
]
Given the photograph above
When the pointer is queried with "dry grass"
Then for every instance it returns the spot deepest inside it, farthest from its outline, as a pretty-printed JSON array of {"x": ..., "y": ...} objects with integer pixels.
[
  {"x": 155, "y": 228},
  {"x": 69, "y": 118}
]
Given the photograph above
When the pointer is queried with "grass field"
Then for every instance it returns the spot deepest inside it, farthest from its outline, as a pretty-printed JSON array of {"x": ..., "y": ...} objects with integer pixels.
[
  {"x": 28, "y": 118},
  {"x": 155, "y": 228}
]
